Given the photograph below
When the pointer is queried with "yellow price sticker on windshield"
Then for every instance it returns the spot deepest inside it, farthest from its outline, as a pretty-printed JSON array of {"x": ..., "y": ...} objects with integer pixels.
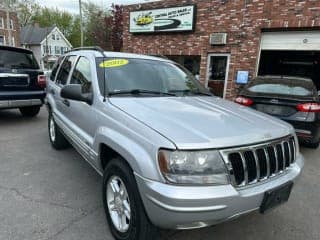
[{"x": 114, "y": 63}]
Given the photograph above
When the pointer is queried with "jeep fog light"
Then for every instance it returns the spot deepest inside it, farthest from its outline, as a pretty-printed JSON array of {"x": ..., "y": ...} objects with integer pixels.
[{"x": 193, "y": 167}]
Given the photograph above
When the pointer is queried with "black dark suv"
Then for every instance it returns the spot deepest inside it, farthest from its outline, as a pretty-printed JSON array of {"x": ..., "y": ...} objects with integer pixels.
[{"x": 22, "y": 83}]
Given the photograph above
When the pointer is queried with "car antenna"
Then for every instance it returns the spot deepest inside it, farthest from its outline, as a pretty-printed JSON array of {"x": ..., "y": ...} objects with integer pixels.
[{"x": 104, "y": 79}]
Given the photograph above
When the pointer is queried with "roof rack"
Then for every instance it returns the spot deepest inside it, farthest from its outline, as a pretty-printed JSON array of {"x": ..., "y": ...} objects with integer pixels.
[{"x": 93, "y": 48}]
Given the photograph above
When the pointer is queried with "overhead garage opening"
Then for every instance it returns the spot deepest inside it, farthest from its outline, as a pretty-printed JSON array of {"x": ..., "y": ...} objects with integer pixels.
[
  {"x": 291, "y": 63},
  {"x": 291, "y": 53}
]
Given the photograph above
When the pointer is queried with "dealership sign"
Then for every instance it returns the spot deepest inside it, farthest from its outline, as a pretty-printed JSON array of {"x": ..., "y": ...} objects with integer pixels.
[{"x": 175, "y": 19}]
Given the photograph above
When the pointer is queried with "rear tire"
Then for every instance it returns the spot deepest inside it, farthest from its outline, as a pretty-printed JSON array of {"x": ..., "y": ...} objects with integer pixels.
[
  {"x": 314, "y": 145},
  {"x": 124, "y": 203},
  {"x": 30, "y": 111},
  {"x": 57, "y": 140}
]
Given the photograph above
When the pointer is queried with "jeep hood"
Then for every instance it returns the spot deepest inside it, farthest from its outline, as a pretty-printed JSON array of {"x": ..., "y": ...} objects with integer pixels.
[{"x": 203, "y": 122}]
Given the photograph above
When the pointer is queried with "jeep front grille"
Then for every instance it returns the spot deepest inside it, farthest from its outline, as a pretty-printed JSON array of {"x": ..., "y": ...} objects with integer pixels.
[{"x": 252, "y": 164}]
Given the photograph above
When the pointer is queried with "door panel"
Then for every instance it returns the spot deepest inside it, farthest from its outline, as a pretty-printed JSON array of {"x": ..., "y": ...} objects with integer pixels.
[
  {"x": 82, "y": 115},
  {"x": 55, "y": 89}
]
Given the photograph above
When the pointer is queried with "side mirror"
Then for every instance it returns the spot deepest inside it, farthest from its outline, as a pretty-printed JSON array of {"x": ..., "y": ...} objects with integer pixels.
[{"x": 74, "y": 92}]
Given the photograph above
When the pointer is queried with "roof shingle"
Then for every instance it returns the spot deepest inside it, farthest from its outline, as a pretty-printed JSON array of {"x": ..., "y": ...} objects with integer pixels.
[{"x": 34, "y": 35}]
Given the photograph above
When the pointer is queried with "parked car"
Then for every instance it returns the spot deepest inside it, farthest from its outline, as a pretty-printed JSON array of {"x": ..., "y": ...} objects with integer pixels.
[
  {"x": 292, "y": 99},
  {"x": 22, "y": 83},
  {"x": 171, "y": 154}
]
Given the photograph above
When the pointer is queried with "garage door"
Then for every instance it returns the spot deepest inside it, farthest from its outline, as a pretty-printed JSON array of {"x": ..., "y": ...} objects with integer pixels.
[
  {"x": 303, "y": 40},
  {"x": 292, "y": 54}
]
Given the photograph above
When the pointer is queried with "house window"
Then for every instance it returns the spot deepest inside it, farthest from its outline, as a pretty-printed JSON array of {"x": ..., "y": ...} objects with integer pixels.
[
  {"x": 57, "y": 50},
  {"x": 2, "y": 40},
  {"x": 46, "y": 49},
  {"x": 53, "y": 37},
  {"x": 57, "y": 37},
  {"x": 62, "y": 50},
  {"x": 1, "y": 23},
  {"x": 11, "y": 24}
]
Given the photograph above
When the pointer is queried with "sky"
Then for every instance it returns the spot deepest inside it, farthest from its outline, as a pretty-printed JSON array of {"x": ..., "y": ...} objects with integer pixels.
[{"x": 73, "y": 5}]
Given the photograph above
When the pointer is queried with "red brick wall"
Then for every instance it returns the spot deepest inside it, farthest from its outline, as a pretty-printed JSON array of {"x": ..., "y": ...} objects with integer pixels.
[
  {"x": 16, "y": 27},
  {"x": 243, "y": 20}
]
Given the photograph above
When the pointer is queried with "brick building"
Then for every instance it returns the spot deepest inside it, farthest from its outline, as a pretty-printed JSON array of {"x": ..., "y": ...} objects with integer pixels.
[
  {"x": 9, "y": 30},
  {"x": 231, "y": 39}
]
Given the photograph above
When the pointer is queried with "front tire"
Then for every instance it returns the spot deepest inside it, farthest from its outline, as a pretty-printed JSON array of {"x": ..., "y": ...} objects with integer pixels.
[
  {"x": 123, "y": 206},
  {"x": 57, "y": 140},
  {"x": 30, "y": 111}
]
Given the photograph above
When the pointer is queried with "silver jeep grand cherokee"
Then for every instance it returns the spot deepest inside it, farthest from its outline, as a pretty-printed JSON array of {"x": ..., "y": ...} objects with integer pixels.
[{"x": 171, "y": 154}]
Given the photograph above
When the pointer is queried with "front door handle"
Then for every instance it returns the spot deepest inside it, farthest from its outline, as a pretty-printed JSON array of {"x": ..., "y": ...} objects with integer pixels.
[{"x": 66, "y": 102}]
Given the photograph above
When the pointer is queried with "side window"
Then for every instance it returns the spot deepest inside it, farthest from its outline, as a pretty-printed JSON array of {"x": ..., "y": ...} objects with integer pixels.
[
  {"x": 82, "y": 74},
  {"x": 55, "y": 69},
  {"x": 65, "y": 69}
]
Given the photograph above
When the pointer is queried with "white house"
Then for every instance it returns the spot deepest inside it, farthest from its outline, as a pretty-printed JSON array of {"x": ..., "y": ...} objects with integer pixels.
[{"x": 46, "y": 43}]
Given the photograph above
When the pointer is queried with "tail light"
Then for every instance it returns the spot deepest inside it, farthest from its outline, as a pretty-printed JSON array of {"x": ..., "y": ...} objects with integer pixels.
[
  {"x": 308, "y": 107},
  {"x": 42, "y": 81},
  {"x": 244, "y": 101}
]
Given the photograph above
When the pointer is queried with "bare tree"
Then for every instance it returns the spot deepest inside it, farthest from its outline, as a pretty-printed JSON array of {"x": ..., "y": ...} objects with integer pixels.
[{"x": 27, "y": 9}]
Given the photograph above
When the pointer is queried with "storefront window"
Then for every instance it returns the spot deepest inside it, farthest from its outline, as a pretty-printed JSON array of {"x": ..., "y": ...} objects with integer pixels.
[{"x": 192, "y": 63}]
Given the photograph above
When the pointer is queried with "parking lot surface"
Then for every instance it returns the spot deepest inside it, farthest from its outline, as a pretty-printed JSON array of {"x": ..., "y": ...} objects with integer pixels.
[{"x": 47, "y": 194}]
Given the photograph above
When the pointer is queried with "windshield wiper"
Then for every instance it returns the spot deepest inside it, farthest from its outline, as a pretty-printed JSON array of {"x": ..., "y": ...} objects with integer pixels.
[
  {"x": 139, "y": 92},
  {"x": 195, "y": 92}
]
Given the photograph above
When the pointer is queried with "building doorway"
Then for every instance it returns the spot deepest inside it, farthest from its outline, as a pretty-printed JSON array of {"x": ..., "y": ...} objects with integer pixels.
[{"x": 217, "y": 73}]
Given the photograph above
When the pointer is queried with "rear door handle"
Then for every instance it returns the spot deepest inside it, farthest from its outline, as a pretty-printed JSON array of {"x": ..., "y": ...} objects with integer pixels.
[{"x": 66, "y": 102}]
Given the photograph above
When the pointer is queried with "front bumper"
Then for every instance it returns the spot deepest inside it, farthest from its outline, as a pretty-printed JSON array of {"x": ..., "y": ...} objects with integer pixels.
[
  {"x": 307, "y": 132},
  {"x": 185, "y": 207}
]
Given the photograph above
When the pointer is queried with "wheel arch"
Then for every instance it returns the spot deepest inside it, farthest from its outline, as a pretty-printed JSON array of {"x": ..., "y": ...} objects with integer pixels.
[{"x": 109, "y": 143}]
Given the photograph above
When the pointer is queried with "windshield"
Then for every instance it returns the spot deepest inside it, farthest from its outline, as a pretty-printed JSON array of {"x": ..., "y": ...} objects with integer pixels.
[
  {"x": 282, "y": 87},
  {"x": 147, "y": 77},
  {"x": 15, "y": 59}
]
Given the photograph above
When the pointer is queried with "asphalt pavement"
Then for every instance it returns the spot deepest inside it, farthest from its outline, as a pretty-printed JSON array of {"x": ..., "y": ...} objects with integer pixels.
[{"x": 48, "y": 194}]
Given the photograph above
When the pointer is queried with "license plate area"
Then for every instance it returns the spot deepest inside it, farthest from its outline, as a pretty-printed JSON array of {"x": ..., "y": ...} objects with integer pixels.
[
  {"x": 275, "y": 110},
  {"x": 275, "y": 197},
  {"x": 14, "y": 80}
]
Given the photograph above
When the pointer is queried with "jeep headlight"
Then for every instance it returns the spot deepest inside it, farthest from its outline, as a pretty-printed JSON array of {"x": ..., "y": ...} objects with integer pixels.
[{"x": 193, "y": 167}]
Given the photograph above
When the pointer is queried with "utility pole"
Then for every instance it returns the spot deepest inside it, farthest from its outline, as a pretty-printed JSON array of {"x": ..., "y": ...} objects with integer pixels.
[{"x": 81, "y": 23}]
